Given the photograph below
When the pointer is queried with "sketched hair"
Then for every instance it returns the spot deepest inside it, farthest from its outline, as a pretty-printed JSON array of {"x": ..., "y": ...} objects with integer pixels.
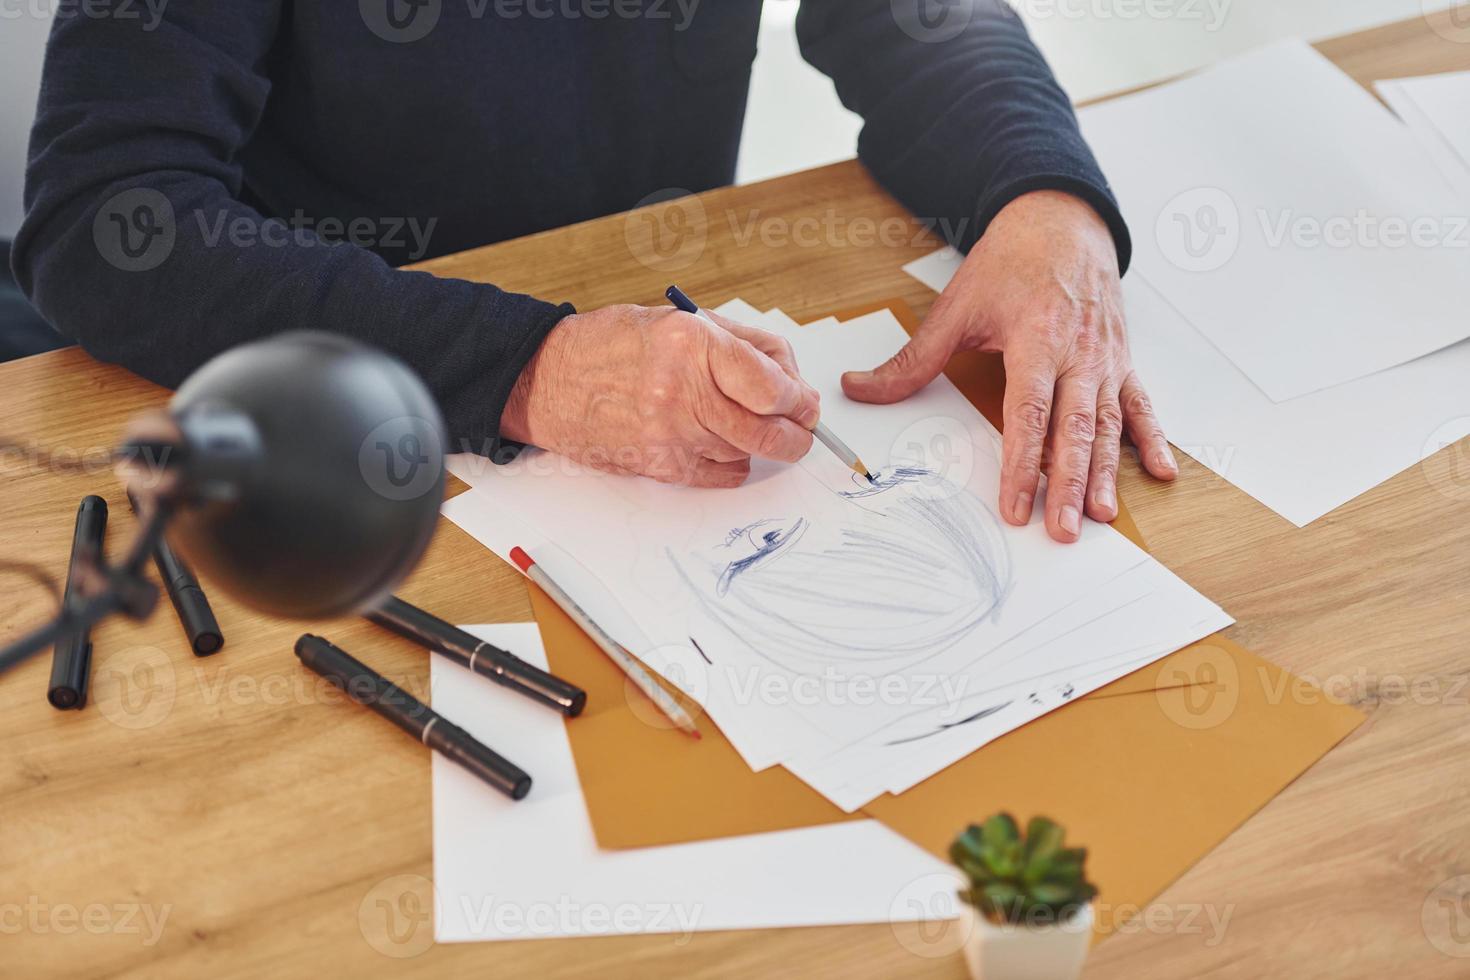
[{"x": 907, "y": 574}]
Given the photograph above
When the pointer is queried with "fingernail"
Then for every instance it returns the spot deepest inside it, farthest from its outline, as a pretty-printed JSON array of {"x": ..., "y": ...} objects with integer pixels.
[
  {"x": 808, "y": 419},
  {"x": 1164, "y": 460},
  {"x": 1023, "y": 508},
  {"x": 1104, "y": 498},
  {"x": 1070, "y": 520}
]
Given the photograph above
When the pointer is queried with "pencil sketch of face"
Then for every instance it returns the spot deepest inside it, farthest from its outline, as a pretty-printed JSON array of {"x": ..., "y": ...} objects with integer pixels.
[{"x": 907, "y": 572}]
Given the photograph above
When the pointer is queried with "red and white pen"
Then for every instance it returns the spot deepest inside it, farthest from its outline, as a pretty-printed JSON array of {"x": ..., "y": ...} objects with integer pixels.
[{"x": 619, "y": 655}]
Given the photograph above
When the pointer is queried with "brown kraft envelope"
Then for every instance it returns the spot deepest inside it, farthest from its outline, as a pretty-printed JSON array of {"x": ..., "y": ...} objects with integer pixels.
[{"x": 1149, "y": 772}]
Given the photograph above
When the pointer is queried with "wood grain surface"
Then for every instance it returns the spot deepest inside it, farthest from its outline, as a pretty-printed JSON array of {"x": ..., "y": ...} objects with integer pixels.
[{"x": 231, "y": 817}]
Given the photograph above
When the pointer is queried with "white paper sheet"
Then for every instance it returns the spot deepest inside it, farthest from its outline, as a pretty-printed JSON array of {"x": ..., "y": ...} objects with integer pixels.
[
  {"x": 1302, "y": 458},
  {"x": 1288, "y": 216},
  {"x": 532, "y": 869},
  {"x": 624, "y": 533},
  {"x": 1436, "y": 108}
]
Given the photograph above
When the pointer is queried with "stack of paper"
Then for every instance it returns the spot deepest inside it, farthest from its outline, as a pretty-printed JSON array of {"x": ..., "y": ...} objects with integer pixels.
[
  {"x": 1436, "y": 109},
  {"x": 1295, "y": 251},
  {"x": 862, "y": 637},
  {"x": 532, "y": 870}
]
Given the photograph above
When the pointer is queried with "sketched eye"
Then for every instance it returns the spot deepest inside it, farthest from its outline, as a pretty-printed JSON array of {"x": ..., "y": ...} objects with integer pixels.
[
  {"x": 755, "y": 543},
  {"x": 885, "y": 481}
]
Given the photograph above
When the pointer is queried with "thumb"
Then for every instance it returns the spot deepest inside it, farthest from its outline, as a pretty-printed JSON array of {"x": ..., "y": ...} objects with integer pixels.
[{"x": 913, "y": 367}]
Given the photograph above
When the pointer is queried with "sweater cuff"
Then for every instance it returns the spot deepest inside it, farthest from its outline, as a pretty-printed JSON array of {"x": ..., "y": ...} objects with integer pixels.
[
  {"x": 1099, "y": 198},
  {"x": 488, "y": 440}
]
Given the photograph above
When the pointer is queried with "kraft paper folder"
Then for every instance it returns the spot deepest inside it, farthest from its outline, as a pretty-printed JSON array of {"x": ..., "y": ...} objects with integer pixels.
[{"x": 1149, "y": 772}]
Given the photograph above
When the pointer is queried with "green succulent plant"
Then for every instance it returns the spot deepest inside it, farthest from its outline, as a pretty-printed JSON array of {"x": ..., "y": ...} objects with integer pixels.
[{"x": 1031, "y": 879}]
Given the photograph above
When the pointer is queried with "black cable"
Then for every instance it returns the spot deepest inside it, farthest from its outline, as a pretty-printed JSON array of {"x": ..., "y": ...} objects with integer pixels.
[{"x": 113, "y": 598}]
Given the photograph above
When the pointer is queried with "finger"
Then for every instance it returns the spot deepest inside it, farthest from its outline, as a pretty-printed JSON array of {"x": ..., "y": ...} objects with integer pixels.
[
  {"x": 914, "y": 366},
  {"x": 1102, "y": 481},
  {"x": 1027, "y": 413},
  {"x": 1145, "y": 431},
  {"x": 704, "y": 472},
  {"x": 758, "y": 384},
  {"x": 1073, "y": 429},
  {"x": 774, "y": 346},
  {"x": 766, "y": 436}
]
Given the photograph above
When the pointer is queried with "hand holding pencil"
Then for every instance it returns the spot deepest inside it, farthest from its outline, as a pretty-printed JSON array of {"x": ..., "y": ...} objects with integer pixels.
[{"x": 660, "y": 393}]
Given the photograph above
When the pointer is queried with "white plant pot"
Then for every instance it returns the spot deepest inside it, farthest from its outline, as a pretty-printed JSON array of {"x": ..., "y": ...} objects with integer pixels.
[{"x": 1006, "y": 952}]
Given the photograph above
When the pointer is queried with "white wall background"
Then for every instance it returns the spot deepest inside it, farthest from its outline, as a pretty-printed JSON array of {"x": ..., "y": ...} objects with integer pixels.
[{"x": 795, "y": 121}]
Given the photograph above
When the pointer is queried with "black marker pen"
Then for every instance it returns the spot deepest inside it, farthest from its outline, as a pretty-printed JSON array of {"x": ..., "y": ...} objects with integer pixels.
[
  {"x": 367, "y": 687},
  {"x": 483, "y": 658},
  {"x": 71, "y": 659},
  {"x": 188, "y": 598}
]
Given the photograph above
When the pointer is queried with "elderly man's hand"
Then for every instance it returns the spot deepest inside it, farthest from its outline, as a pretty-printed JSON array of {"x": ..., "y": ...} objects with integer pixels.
[
  {"x": 1042, "y": 288},
  {"x": 663, "y": 394}
]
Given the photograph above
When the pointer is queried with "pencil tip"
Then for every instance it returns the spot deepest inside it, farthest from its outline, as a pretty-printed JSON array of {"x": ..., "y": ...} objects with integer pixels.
[{"x": 694, "y": 733}]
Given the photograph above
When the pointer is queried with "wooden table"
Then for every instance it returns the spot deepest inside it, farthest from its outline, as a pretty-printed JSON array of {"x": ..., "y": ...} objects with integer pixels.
[{"x": 274, "y": 830}]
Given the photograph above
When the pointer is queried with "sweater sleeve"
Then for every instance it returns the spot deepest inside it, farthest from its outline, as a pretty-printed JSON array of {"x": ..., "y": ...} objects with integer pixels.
[
  {"x": 961, "y": 113},
  {"x": 139, "y": 244}
]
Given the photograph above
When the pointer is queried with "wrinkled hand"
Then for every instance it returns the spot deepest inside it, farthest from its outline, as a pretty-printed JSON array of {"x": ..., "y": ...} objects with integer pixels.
[
  {"x": 1042, "y": 288},
  {"x": 661, "y": 393}
]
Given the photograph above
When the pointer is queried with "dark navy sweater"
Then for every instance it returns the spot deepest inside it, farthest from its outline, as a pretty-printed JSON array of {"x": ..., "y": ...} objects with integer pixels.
[{"x": 197, "y": 166}]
